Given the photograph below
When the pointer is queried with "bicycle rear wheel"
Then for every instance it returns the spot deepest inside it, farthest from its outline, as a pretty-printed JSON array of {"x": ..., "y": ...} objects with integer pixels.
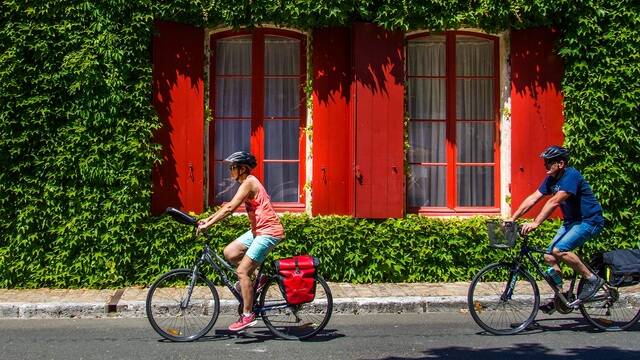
[
  {"x": 169, "y": 313},
  {"x": 612, "y": 308},
  {"x": 502, "y": 302},
  {"x": 295, "y": 322}
]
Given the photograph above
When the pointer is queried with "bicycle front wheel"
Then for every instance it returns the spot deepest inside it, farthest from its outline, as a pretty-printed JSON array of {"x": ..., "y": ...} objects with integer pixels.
[
  {"x": 179, "y": 312},
  {"x": 612, "y": 308},
  {"x": 295, "y": 322},
  {"x": 501, "y": 301}
]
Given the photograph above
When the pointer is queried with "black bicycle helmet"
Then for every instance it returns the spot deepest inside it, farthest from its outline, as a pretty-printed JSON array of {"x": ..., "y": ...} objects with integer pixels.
[
  {"x": 555, "y": 152},
  {"x": 242, "y": 158}
]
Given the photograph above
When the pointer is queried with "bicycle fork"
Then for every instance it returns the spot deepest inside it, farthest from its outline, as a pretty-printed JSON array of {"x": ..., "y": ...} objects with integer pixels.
[
  {"x": 513, "y": 277},
  {"x": 194, "y": 276}
]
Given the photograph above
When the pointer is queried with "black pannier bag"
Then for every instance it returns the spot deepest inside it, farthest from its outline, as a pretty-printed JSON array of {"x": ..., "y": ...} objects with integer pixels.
[{"x": 624, "y": 265}]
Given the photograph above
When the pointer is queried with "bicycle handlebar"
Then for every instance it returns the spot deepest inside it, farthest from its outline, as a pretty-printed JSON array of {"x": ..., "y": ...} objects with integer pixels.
[
  {"x": 184, "y": 218},
  {"x": 181, "y": 217}
]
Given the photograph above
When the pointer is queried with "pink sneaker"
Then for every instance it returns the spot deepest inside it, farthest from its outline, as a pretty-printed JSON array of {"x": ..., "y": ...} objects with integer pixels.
[{"x": 244, "y": 322}]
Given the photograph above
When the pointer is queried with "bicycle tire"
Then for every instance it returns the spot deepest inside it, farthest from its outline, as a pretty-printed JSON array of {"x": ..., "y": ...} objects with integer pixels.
[
  {"x": 488, "y": 286},
  {"x": 165, "y": 313},
  {"x": 296, "y": 322},
  {"x": 612, "y": 308}
]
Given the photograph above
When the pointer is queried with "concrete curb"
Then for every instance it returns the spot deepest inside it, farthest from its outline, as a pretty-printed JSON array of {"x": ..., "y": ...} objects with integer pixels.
[
  {"x": 136, "y": 309},
  {"x": 51, "y": 310}
]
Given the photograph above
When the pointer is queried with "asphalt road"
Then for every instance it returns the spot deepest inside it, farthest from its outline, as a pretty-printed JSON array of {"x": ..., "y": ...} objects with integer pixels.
[{"x": 406, "y": 336}]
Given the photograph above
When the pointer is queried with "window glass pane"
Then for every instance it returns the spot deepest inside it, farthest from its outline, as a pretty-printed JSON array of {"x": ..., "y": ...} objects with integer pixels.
[
  {"x": 233, "y": 112},
  {"x": 426, "y": 56},
  {"x": 233, "y": 56},
  {"x": 474, "y": 99},
  {"x": 475, "y": 186},
  {"x": 225, "y": 186},
  {"x": 233, "y": 97},
  {"x": 281, "y": 139},
  {"x": 475, "y": 141},
  {"x": 231, "y": 136},
  {"x": 474, "y": 56},
  {"x": 426, "y": 186},
  {"x": 427, "y": 99},
  {"x": 281, "y": 181},
  {"x": 426, "y": 139},
  {"x": 281, "y": 56},
  {"x": 282, "y": 97}
]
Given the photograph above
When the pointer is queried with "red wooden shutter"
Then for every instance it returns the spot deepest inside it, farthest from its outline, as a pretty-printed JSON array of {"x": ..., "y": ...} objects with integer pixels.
[
  {"x": 378, "y": 115},
  {"x": 332, "y": 142},
  {"x": 536, "y": 108},
  {"x": 178, "y": 97}
]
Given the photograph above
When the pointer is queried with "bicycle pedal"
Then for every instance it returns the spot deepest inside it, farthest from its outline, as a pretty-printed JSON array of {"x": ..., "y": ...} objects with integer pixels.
[{"x": 548, "y": 308}]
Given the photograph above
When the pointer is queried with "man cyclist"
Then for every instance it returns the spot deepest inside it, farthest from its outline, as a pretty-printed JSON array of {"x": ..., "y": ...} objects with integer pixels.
[
  {"x": 581, "y": 212},
  {"x": 250, "y": 249}
]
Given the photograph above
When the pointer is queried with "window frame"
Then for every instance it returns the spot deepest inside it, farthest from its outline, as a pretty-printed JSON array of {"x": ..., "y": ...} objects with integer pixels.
[
  {"x": 256, "y": 142},
  {"x": 451, "y": 76}
]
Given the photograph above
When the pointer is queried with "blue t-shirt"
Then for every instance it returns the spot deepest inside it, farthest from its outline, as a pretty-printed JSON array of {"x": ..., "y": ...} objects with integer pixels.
[{"x": 581, "y": 204}]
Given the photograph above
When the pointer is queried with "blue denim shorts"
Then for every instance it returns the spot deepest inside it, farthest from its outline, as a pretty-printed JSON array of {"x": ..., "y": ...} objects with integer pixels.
[
  {"x": 257, "y": 247},
  {"x": 573, "y": 235}
]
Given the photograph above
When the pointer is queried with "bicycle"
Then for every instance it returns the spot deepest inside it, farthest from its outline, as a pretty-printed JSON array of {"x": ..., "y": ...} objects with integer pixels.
[
  {"x": 503, "y": 297},
  {"x": 183, "y": 305}
]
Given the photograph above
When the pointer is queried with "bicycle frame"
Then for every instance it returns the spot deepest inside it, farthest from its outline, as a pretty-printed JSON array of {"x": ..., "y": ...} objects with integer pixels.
[
  {"x": 218, "y": 263},
  {"x": 526, "y": 252}
]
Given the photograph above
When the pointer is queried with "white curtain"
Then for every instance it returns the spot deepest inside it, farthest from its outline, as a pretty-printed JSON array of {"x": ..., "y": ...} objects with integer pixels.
[
  {"x": 426, "y": 185},
  {"x": 475, "y": 125},
  {"x": 282, "y": 102},
  {"x": 232, "y": 112}
]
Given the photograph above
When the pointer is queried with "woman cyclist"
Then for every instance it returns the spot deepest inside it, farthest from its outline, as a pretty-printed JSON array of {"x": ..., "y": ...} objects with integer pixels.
[{"x": 250, "y": 249}]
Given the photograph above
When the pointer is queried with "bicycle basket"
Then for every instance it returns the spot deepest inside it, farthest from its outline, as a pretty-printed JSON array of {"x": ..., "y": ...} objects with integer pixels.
[{"x": 502, "y": 235}]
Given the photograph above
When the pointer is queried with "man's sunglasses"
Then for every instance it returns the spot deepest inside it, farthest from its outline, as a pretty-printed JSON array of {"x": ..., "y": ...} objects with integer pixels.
[{"x": 548, "y": 163}]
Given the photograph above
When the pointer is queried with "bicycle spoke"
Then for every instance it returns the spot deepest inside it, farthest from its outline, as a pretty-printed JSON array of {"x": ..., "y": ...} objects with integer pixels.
[
  {"x": 296, "y": 321},
  {"x": 497, "y": 315},
  {"x": 613, "y": 308},
  {"x": 166, "y": 314}
]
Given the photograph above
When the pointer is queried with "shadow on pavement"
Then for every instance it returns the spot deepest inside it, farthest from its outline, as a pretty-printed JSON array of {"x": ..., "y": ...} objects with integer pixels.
[
  {"x": 259, "y": 335},
  {"x": 525, "y": 351},
  {"x": 551, "y": 325}
]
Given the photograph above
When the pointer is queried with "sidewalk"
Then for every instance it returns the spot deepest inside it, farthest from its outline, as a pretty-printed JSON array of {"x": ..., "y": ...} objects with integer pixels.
[{"x": 130, "y": 302}]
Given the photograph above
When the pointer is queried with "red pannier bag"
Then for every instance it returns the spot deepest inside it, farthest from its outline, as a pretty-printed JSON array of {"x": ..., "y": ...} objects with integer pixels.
[{"x": 298, "y": 278}]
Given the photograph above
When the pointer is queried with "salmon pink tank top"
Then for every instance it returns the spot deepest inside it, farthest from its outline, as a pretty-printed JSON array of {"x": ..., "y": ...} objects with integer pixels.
[{"x": 264, "y": 220}]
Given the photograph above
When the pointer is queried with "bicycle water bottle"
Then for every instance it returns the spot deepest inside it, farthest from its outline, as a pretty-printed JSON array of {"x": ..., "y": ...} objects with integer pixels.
[{"x": 555, "y": 277}]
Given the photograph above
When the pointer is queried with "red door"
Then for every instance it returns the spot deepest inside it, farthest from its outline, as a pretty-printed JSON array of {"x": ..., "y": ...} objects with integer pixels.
[
  {"x": 536, "y": 109},
  {"x": 178, "y": 97},
  {"x": 332, "y": 141},
  {"x": 378, "y": 121}
]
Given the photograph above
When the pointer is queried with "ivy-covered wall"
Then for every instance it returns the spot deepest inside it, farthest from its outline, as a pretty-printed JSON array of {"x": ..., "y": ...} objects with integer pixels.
[{"x": 76, "y": 126}]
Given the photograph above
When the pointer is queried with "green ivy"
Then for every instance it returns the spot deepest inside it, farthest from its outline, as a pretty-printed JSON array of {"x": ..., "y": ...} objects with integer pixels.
[
  {"x": 601, "y": 50},
  {"x": 76, "y": 146}
]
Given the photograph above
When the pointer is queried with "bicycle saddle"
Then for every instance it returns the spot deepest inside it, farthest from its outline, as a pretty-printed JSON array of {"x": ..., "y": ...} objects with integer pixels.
[{"x": 181, "y": 217}]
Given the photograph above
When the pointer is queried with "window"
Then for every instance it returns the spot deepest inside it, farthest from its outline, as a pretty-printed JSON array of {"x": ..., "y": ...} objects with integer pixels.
[
  {"x": 259, "y": 106},
  {"x": 452, "y": 89}
]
